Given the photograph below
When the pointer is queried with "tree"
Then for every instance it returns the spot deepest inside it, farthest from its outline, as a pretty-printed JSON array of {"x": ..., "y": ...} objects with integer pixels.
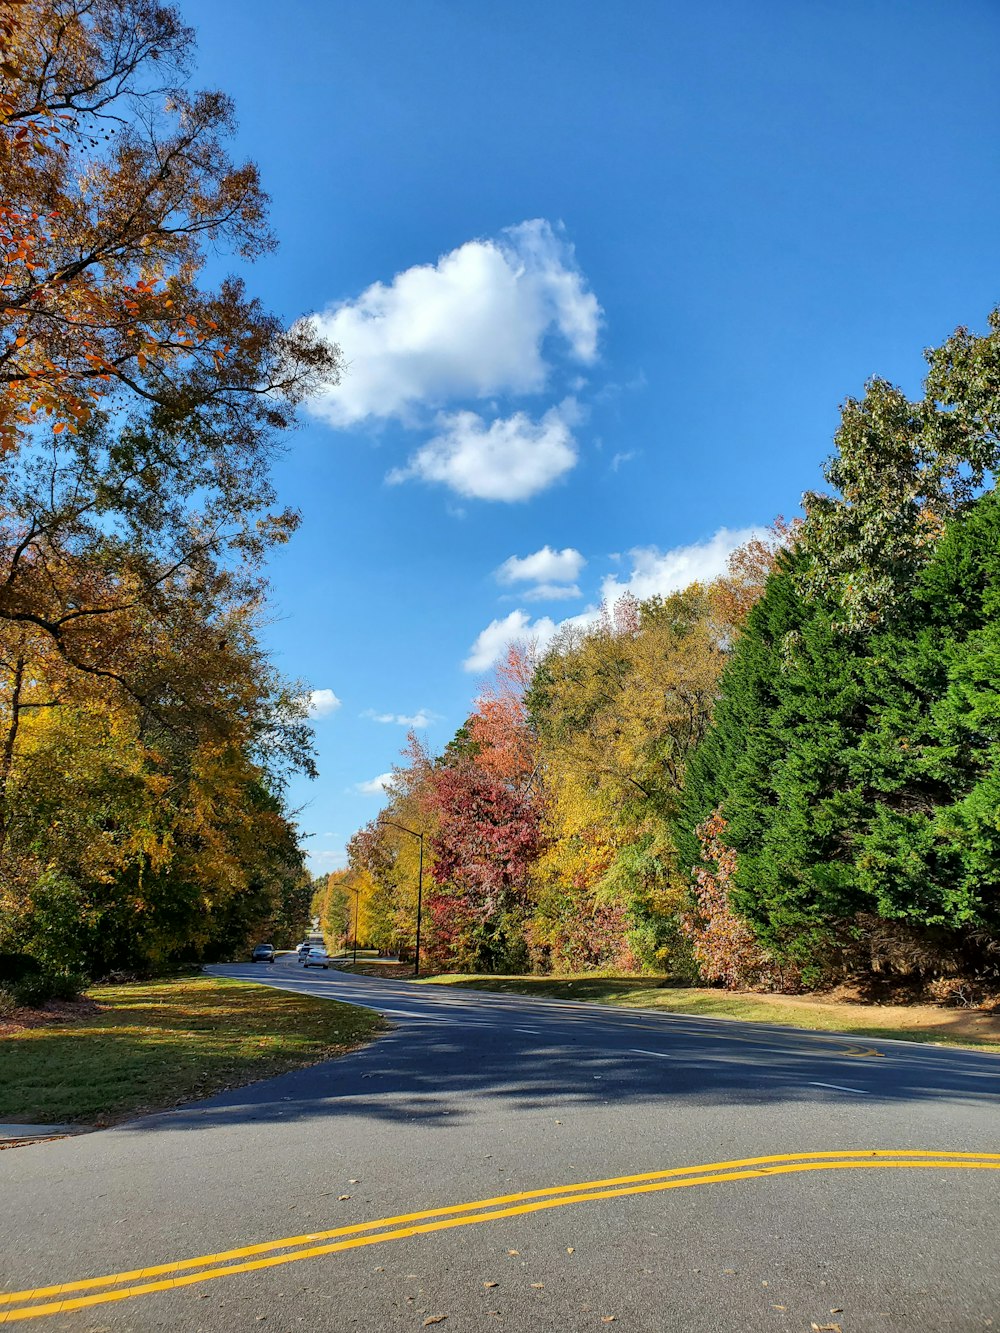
[
  {"x": 144, "y": 737},
  {"x": 850, "y": 756},
  {"x": 901, "y": 470},
  {"x": 140, "y": 407}
]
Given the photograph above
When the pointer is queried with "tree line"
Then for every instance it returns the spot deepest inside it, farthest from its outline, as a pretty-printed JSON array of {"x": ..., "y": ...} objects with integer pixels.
[
  {"x": 787, "y": 778},
  {"x": 145, "y": 739}
]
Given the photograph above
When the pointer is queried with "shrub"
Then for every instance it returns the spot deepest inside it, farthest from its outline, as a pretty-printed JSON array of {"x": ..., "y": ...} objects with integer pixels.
[
  {"x": 35, "y": 988},
  {"x": 14, "y": 967}
]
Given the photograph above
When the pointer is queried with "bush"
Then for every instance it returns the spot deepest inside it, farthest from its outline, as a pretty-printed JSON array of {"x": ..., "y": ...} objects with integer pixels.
[
  {"x": 14, "y": 967},
  {"x": 35, "y": 988}
]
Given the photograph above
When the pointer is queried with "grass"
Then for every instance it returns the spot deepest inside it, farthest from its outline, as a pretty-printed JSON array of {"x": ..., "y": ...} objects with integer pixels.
[
  {"x": 923, "y": 1023},
  {"x": 150, "y": 1045}
]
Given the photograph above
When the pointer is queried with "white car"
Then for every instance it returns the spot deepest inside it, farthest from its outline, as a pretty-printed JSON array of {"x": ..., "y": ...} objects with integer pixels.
[{"x": 315, "y": 958}]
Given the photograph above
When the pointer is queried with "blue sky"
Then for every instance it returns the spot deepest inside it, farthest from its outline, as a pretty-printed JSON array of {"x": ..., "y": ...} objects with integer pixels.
[{"x": 602, "y": 275}]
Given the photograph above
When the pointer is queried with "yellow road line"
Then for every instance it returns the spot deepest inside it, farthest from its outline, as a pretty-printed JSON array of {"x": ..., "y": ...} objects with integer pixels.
[
  {"x": 289, "y": 1242},
  {"x": 561, "y": 1196}
]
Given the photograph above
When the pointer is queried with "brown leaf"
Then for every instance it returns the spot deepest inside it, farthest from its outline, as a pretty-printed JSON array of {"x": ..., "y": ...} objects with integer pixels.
[
  {"x": 836, "y": 1309},
  {"x": 608, "y": 1318},
  {"x": 514, "y": 1252},
  {"x": 491, "y": 1284},
  {"x": 539, "y": 1286},
  {"x": 826, "y": 1328},
  {"x": 570, "y": 1249},
  {"x": 343, "y": 1196},
  {"x": 435, "y": 1319}
]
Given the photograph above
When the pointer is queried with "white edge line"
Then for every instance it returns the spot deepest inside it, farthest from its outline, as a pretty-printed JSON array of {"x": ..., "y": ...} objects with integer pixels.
[{"x": 858, "y": 1092}]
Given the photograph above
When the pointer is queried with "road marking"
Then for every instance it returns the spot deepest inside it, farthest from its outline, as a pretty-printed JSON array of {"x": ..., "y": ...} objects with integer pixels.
[
  {"x": 443, "y": 1219},
  {"x": 661, "y": 1055},
  {"x": 858, "y": 1092}
]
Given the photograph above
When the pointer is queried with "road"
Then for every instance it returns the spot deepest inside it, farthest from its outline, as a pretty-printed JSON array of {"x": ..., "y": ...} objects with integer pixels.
[{"x": 499, "y": 1162}]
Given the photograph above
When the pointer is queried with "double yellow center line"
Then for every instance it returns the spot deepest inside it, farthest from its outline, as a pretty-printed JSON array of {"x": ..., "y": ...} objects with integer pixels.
[{"x": 38, "y": 1302}]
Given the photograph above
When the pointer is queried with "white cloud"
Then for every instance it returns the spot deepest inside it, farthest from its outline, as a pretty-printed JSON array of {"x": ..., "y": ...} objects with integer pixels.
[
  {"x": 544, "y": 566},
  {"x": 321, "y": 703},
  {"x": 619, "y": 459},
  {"x": 654, "y": 573},
  {"x": 375, "y": 786},
  {"x": 474, "y": 324},
  {"x": 423, "y": 717},
  {"x": 328, "y": 859},
  {"x": 512, "y": 458},
  {"x": 657, "y": 573},
  {"x": 549, "y": 592},
  {"x": 492, "y": 642}
]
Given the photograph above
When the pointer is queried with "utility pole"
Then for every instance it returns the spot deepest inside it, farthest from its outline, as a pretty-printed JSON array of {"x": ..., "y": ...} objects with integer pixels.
[
  {"x": 357, "y": 903},
  {"x": 420, "y": 885}
]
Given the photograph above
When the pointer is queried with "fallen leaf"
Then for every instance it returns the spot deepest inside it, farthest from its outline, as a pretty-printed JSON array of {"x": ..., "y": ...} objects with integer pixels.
[
  {"x": 826, "y": 1328},
  {"x": 570, "y": 1249},
  {"x": 435, "y": 1319},
  {"x": 343, "y": 1196},
  {"x": 779, "y": 1307},
  {"x": 837, "y": 1309},
  {"x": 539, "y": 1286},
  {"x": 354, "y": 1182},
  {"x": 608, "y": 1318},
  {"x": 514, "y": 1252},
  {"x": 491, "y": 1284}
]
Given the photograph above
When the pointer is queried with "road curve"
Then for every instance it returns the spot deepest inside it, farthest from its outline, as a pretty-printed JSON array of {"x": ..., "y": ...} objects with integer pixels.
[{"x": 523, "y": 1164}]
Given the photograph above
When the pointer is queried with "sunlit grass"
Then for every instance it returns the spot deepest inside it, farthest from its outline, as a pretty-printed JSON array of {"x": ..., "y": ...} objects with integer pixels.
[{"x": 154, "y": 1044}]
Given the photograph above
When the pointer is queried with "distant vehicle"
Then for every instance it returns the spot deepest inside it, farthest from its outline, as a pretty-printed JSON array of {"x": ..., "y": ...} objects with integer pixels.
[
  {"x": 303, "y": 948},
  {"x": 315, "y": 958},
  {"x": 263, "y": 953}
]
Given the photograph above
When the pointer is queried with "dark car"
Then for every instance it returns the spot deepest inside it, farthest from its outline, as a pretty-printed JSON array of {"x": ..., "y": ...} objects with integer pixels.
[{"x": 263, "y": 953}]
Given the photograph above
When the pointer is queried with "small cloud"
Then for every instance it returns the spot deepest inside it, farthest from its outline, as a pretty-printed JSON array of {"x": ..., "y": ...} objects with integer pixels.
[
  {"x": 657, "y": 573},
  {"x": 321, "y": 703},
  {"x": 619, "y": 459},
  {"x": 551, "y": 592},
  {"x": 544, "y": 566},
  {"x": 492, "y": 642},
  {"x": 508, "y": 459},
  {"x": 375, "y": 786},
  {"x": 327, "y": 859},
  {"x": 423, "y": 717}
]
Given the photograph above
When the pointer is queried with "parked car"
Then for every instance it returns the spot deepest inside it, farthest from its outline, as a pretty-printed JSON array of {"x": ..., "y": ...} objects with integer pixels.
[
  {"x": 315, "y": 958},
  {"x": 263, "y": 953}
]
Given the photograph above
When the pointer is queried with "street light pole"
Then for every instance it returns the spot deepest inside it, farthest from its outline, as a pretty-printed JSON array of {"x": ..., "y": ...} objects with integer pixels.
[
  {"x": 420, "y": 885},
  {"x": 357, "y": 903}
]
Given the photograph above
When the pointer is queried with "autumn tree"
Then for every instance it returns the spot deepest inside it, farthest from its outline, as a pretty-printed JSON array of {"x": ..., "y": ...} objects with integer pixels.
[
  {"x": 142, "y": 406},
  {"x": 144, "y": 738}
]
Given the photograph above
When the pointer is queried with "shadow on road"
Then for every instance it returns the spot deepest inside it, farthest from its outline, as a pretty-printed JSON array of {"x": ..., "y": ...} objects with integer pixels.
[{"x": 468, "y": 1052}]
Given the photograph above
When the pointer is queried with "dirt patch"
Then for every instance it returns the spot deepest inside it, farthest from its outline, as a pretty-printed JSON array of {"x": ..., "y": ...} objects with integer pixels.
[
  {"x": 373, "y": 968},
  {"x": 56, "y": 1011}
]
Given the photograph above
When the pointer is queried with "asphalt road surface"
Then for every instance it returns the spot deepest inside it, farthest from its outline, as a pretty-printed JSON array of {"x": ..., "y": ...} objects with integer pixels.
[{"x": 497, "y": 1162}]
